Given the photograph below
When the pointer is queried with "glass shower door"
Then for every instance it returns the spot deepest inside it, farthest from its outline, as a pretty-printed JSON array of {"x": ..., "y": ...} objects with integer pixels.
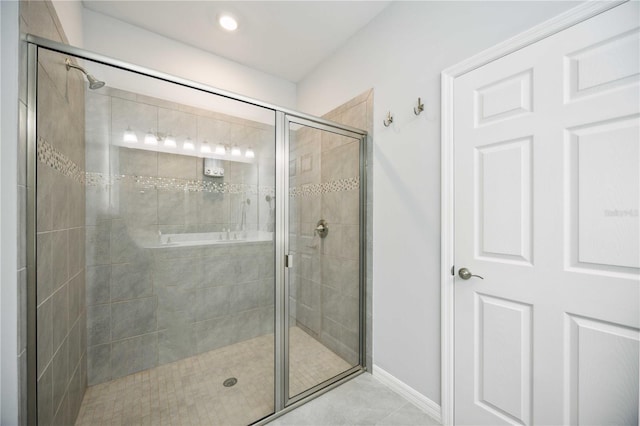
[
  {"x": 171, "y": 259},
  {"x": 324, "y": 247}
]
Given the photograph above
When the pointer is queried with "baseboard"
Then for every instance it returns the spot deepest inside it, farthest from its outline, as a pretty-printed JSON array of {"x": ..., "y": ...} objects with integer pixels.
[{"x": 409, "y": 393}]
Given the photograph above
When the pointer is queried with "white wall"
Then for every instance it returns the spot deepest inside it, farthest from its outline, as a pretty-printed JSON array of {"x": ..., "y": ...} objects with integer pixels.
[
  {"x": 401, "y": 54},
  {"x": 9, "y": 37},
  {"x": 120, "y": 40}
]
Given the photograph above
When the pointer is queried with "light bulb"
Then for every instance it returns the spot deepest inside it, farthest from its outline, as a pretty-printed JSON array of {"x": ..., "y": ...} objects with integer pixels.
[
  {"x": 188, "y": 145},
  {"x": 249, "y": 153},
  {"x": 129, "y": 136},
  {"x": 150, "y": 139},
  {"x": 205, "y": 148},
  {"x": 220, "y": 149},
  {"x": 228, "y": 23},
  {"x": 170, "y": 142},
  {"x": 235, "y": 151}
]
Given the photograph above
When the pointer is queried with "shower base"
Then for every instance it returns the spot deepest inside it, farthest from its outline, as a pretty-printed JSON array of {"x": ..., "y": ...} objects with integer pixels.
[{"x": 191, "y": 391}]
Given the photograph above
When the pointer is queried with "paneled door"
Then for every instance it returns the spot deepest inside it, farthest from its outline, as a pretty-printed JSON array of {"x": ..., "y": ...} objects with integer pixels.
[{"x": 547, "y": 257}]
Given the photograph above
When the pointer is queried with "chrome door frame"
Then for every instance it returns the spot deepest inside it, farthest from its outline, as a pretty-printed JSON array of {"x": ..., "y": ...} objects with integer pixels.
[{"x": 283, "y": 117}]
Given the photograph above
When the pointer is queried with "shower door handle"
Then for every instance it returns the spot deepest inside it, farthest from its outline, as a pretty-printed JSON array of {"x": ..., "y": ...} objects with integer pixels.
[{"x": 288, "y": 261}]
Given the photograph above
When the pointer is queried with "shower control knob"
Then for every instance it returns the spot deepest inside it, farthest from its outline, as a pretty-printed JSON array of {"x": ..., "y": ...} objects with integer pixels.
[
  {"x": 322, "y": 228},
  {"x": 465, "y": 274}
]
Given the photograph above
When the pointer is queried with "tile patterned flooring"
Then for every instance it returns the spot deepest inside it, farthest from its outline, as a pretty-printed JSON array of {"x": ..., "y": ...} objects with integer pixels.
[
  {"x": 190, "y": 391},
  {"x": 361, "y": 401}
]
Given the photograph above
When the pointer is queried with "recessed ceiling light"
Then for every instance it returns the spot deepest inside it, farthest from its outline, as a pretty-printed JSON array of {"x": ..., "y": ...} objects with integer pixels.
[{"x": 228, "y": 22}]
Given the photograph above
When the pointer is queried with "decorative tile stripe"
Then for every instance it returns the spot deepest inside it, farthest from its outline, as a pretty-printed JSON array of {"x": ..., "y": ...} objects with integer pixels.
[
  {"x": 176, "y": 184},
  {"x": 348, "y": 184},
  {"x": 53, "y": 158}
]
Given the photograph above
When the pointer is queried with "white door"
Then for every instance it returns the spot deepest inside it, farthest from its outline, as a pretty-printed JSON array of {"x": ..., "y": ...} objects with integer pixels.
[{"x": 547, "y": 158}]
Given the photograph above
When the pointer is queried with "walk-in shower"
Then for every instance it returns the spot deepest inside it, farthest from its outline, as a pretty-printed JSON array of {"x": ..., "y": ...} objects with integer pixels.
[{"x": 193, "y": 254}]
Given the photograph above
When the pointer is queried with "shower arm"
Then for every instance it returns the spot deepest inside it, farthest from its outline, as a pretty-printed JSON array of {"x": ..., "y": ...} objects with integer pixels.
[{"x": 70, "y": 64}]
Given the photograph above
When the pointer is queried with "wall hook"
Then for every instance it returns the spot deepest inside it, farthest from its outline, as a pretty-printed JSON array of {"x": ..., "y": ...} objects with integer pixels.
[
  {"x": 387, "y": 121},
  {"x": 417, "y": 110}
]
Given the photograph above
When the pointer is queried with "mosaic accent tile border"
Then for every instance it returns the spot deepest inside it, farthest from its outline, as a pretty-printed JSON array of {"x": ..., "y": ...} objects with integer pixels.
[
  {"x": 192, "y": 185},
  {"x": 53, "y": 158},
  {"x": 340, "y": 185},
  {"x": 176, "y": 184}
]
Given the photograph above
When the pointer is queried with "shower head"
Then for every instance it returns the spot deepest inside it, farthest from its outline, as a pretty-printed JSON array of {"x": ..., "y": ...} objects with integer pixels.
[{"x": 94, "y": 83}]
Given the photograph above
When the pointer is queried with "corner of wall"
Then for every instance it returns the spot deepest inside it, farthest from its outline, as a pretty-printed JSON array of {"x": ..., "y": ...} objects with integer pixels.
[
  {"x": 10, "y": 38},
  {"x": 70, "y": 15}
]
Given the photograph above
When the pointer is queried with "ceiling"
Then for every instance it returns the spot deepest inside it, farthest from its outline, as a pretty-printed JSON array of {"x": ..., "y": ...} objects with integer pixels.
[{"x": 287, "y": 39}]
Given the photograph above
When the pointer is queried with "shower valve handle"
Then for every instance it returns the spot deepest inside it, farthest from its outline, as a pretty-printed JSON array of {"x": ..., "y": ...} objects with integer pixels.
[{"x": 322, "y": 228}]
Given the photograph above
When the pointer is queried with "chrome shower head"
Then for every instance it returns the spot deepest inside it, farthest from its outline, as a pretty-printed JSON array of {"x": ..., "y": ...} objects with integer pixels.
[{"x": 94, "y": 83}]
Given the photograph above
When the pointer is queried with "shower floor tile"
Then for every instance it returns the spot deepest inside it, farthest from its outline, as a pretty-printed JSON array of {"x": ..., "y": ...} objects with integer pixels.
[{"x": 190, "y": 391}]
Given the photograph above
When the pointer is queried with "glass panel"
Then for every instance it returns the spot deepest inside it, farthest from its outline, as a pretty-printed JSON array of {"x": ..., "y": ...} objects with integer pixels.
[
  {"x": 178, "y": 261},
  {"x": 324, "y": 226}
]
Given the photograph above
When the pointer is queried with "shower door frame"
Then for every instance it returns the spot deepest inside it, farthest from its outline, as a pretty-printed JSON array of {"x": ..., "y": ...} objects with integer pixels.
[
  {"x": 283, "y": 117},
  {"x": 324, "y": 126}
]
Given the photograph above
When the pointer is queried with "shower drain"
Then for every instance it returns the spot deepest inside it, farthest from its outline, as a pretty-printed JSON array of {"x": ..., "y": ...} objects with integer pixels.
[{"x": 230, "y": 382}]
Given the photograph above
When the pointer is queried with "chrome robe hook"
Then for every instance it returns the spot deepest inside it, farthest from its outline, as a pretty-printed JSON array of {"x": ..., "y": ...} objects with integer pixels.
[
  {"x": 387, "y": 121},
  {"x": 418, "y": 109}
]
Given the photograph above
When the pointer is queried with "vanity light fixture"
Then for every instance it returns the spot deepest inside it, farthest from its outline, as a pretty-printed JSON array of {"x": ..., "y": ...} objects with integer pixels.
[
  {"x": 220, "y": 149},
  {"x": 188, "y": 145},
  {"x": 170, "y": 142},
  {"x": 129, "y": 136},
  {"x": 150, "y": 139},
  {"x": 228, "y": 22},
  {"x": 205, "y": 148},
  {"x": 235, "y": 151},
  {"x": 249, "y": 153}
]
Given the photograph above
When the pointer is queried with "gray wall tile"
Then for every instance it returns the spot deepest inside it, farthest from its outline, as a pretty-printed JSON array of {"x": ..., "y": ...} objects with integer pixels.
[
  {"x": 212, "y": 302},
  {"x": 76, "y": 250},
  {"x": 74, "y": 348},
  {"x": 185, "y": 273},
  {"x": 175, "y": 344},
  {"x": 45, "y": 397},
  {"x": 132, "y": 355},
  {"x": 98, "y": 284},
  {"x": 131, "y": 281},
  {"x": 98, "y": 324},
  {"x": 44, "y": 266},
  {"x": 60, "y": 371},
  {"x": 98, "y": 245},
  {"x": 44, "y": 334},
  {"x": 60, "y": 262},
  {"x": 178, "y": 166},
  {"x": 99, "y": 364},
  {"x": 60, "y": 315},
  {"x": 76, "y": 393},
  {"x": 133, "y": 317},
  {"x": 214, "y": 333}
]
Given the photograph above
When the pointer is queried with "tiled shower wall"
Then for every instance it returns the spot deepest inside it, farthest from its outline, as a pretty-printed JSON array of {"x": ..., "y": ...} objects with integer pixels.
[
  {"x": 358, "y": 112},
  {"x": 324, "y": 286},
  {"x": 61, "y": 314},
  {"x": 150, "y": 305}
]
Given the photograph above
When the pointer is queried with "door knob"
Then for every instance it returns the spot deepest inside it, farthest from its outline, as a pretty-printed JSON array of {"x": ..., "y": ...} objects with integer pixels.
[{"x": 465, "y": 274}]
